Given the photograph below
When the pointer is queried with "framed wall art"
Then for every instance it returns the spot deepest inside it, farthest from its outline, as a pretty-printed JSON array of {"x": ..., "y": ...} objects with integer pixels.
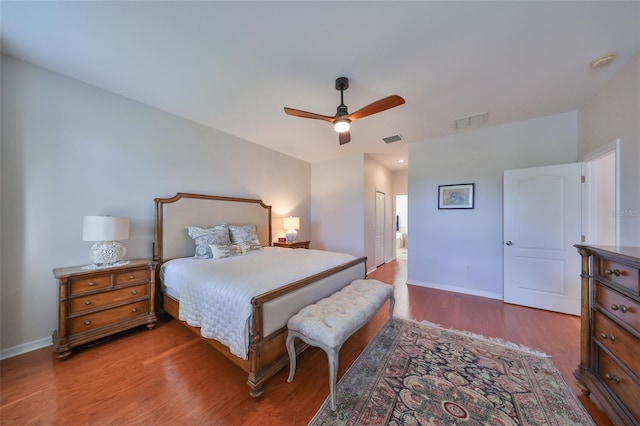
[{"x": 456, "y": 196}]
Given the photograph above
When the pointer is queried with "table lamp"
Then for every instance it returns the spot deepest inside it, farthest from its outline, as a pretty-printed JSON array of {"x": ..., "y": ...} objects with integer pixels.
[
  {"x": 291, "y": 224},
  {"x": 107, "y": 231}
]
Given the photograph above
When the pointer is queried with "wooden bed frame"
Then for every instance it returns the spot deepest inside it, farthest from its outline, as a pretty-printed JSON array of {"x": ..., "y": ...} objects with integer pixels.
[{"x": 267, "y": 349}]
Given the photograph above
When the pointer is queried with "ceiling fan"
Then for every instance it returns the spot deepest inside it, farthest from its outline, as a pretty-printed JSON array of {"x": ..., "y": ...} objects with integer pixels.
[{"x": 342, "y": 120}]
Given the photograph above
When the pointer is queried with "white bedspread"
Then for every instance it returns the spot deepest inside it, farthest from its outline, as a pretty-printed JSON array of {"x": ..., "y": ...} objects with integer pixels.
[{"x": 215, "y": 295}]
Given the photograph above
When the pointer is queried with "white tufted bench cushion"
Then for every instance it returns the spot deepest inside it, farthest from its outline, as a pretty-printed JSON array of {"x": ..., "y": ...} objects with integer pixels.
[{"x": 328, "y": 323}]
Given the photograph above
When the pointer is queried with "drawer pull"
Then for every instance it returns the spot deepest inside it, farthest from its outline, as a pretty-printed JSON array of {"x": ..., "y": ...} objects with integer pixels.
[
  {"x": 87, "y": 302},
  {"x": 134, "y": 292},
  {"x": 621, "y": 308},
  {"x": 615, "y": 272},
  {"x": 133, "y": 276},
  {"x": 87, "y": 322},
  {"x": 134, "y": 310},
  {"x": 611, "y": 378},
  {"x": 606, "y": 336},
  {"x": 91, "y": 283}
]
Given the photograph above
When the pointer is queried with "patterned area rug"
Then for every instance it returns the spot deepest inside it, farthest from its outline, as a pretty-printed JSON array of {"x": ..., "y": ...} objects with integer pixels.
[{"x": 421, "y": 374}]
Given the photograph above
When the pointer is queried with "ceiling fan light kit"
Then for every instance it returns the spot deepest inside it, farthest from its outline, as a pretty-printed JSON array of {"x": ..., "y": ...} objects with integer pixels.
[{"x": 342, "y": 120}]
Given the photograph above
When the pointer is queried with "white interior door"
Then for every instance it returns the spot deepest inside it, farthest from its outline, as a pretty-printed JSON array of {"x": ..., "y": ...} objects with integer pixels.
[
  {"x": 542, "y": 222},
  {"x": 379, "y": 231}
]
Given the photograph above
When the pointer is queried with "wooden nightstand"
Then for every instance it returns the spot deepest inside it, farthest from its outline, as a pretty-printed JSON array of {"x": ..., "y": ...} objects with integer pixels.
[
  {"x": 293, "y": 245},
  {"x": 95, "y": 303}
]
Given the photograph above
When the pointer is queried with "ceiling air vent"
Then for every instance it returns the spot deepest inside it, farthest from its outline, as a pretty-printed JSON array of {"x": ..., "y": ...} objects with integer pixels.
[
  {"x": 392, "y": 138},
  {"x": 471, "y": 120}
]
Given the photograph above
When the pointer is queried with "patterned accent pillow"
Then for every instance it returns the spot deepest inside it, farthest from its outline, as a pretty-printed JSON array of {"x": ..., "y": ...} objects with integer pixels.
[
  {"x": 203, "y": 237},
  {"x": 243, "y": 233},
  {"x": 225, "y": 250},
  {"x": 249, "y": 246}
]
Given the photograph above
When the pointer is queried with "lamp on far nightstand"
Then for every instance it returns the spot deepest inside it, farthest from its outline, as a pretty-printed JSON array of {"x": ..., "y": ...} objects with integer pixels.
[
  {"x": 291, "y": 224},
  {"x": 107, "y": 231}
]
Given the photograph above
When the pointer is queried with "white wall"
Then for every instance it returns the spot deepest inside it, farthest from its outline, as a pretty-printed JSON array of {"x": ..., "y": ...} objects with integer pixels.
[
  {"x": 444, "y": 244},
  {"x": 337, "y": 208},
  {"x": 70, "y": 150},
  {"x": 614, "y": 112}
]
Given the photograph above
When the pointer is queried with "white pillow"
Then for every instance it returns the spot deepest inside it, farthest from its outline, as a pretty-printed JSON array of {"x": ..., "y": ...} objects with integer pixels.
[{"x": 225, "y": 250}]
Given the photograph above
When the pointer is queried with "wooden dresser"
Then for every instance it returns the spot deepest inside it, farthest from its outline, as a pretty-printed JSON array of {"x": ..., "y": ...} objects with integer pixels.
[
  {"x": 609, "y": 369},
  {"x": 93, "y": 304}
]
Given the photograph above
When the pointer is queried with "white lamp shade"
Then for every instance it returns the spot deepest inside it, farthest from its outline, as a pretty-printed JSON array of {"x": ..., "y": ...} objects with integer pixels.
[
  {"x": 291, "y": 222},
  {"x": 105, "y": 228}
]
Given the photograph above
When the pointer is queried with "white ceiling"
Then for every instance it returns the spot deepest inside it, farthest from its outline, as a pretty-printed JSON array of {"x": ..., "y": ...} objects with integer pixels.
[{"x": 233, "y": 66}]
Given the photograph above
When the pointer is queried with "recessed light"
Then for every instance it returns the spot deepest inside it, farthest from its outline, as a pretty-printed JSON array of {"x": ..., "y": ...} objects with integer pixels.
[
  {"x": 603, "y": 60},
  {"x": 400, "y": 161}
]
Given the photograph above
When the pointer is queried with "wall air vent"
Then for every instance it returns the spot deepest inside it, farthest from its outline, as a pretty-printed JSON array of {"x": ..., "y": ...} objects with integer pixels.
[
  {"x": 470, "y": 121},
  {"x": 392, "y": 138}
]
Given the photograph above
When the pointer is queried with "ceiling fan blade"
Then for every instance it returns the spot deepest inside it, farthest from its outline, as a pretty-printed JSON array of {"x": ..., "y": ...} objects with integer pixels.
[
  {"x": 305, "y": 114},
  {"x": 344, "y": 137},
  {"x": 377, "y": 106}
]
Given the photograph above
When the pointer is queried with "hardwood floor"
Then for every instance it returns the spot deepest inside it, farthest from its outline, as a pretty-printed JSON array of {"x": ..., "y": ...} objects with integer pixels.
[{"x": 169, "y": 376}]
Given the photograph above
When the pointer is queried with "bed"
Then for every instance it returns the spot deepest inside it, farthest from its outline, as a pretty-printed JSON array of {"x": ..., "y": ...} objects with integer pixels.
[{"x": 270, "y": 310}]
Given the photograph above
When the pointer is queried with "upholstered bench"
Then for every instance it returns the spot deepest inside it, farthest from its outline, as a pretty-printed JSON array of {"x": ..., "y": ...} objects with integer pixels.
[{"x": 328, "y": 323}]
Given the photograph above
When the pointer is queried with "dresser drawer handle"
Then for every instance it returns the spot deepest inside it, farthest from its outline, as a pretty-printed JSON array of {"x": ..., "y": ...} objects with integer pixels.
[
  {"x": 131, "y": 276},
  {"x": 611, "y": 378},
  {"x": 134, "y": 310},
  {"x": 615, "y": 272},
  {"x": 621, "y": 308},
  {"x": 87, "y": 302},
  {"x": 134, "y": 292},
  {"x": 91, "y": 283},
  {"x": 606, "y": 336},
  {"x": 87, "y": 322}
]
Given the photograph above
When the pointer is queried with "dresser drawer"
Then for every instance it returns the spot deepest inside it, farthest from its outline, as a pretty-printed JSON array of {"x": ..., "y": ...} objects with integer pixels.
[
  {"x": 133, "y": 276},
  {"x": 94, "y": 282},
  {"x": 97, "y": 300},
  {"x": 108, "y": 316},
  {"x": 620, "y": 383},
  {"x": 617, "y": 340},
  {"x": 621, "y": 274},
  {"x": 618, "y": 305}
]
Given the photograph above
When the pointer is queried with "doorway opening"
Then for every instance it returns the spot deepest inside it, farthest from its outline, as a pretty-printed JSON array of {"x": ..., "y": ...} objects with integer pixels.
[{"x": 402, "y": 227}]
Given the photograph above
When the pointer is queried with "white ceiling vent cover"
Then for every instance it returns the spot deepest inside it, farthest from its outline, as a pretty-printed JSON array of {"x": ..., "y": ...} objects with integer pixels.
[
  {"x": 392, "y": 138},
  {"x": 473, "y": 120}
]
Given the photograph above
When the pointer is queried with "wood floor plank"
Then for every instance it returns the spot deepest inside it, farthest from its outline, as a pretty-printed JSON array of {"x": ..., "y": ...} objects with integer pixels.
[{"x": 168, "y": 376}]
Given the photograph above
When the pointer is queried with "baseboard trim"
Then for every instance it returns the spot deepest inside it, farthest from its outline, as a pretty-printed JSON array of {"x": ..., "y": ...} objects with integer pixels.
[
  {"x": 25, "y": 347},
  {"x": 463, "y": 290}
]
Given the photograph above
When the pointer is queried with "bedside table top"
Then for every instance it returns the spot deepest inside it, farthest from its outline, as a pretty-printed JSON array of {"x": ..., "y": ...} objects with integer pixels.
[
  {"x": 75, "y": 270},
  {"x": 292, "y": 244}
]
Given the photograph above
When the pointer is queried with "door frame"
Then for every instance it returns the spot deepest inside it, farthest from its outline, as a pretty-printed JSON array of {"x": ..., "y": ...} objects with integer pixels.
[{"x": 589, "y": 190}]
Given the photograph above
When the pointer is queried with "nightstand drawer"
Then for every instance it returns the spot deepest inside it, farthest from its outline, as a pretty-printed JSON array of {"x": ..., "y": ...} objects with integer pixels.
[
  {"x": 620, "y": 342},
  {"x": 626, "y": 310},
  {"x": 622, "y": 275},
  {"x": 97, "y": 300},
  {"x": 134, "y": 276},
  {"x": 108, "y": 316},
  {"x": 95, "y": 282},
  {"x": 620, "y": 383}
]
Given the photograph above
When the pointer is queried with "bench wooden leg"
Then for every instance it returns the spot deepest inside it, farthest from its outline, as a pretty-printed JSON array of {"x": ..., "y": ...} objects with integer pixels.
[
  {"x": 334, "y": 357},
  {"x": 392, "y": 303},
  {"x": 291, "y": 348}
]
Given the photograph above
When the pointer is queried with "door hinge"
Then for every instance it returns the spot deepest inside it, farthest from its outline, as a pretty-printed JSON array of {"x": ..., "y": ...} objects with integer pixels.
[
  {"x": 583, "y": 179},
  {"x": 583, "y": 238}
]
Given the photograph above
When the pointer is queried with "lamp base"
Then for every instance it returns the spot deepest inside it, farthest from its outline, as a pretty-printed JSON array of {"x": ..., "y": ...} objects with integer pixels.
[
  {"x": 105, "y": 253},
  {"x": 291, "y": 235}
]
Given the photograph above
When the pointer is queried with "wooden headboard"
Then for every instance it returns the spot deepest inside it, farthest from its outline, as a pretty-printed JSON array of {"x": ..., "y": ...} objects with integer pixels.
[{"x": 173, "y": 214}]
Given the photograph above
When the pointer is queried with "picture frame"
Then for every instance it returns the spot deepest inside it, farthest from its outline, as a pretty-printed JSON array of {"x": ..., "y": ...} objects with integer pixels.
[{"x": 460, "y": 196}]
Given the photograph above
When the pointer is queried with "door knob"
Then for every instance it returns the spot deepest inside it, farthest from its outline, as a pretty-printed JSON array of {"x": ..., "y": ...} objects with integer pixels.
[{"x": 509, "y": 243}]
